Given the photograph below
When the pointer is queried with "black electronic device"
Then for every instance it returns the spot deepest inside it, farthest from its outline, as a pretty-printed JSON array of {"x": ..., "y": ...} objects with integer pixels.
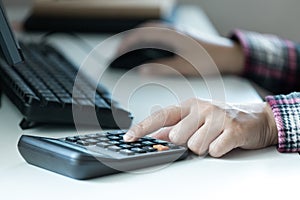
[
  {"x": 137, "y": 57},
  {"x": 39, "y": 80},
  {"x": 98, "y": 154}
]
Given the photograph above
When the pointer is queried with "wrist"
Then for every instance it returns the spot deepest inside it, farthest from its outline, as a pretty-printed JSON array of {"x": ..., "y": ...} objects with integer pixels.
[
  {"x": 233, "y": 59},
  {"x": 271, "y": 124},
  {"x": 227, "y": 55}
]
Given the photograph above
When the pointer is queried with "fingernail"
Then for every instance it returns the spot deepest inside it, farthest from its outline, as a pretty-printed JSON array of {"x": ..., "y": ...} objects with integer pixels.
[{"x": 129, "y": 136}]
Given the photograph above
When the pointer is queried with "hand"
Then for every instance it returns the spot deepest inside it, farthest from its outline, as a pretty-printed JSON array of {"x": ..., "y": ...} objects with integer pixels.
[
  {"x": 197, "y": 53},
  {"x": 213, "y": 128}
]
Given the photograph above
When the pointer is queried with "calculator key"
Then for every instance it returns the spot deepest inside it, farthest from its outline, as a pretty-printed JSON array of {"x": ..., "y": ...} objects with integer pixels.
[
  {"x": 83, "y": 137},
  {"x": 149, "y": 149},
  {"x": 122, "y": 141},
  {"x": 115, "y": 133},
  {"x": 125, "y": 146},
  {"x": 113, "y": 142},
  {"x": 103, "y": 139},
  {"x": 92, "y": 141},
  {"x": 136, "y": 144},
  {"x": 160, "y": 142},
  {"x": 113, "y": 137},
  {"x": 72, "y": 139},
  {"x": 103, "y": 144},
  {"x": 114, "y": 148},
  {"x": 93, "y": 135},
  {"x": 147, "y": 143},
  {"x": 101, "y": 134},
  {"x": 126, "y": 152},
  {"x": 138, "y": 150},
  {"x": 160, "y": 147},
  {"x": 83, "y": 143}
]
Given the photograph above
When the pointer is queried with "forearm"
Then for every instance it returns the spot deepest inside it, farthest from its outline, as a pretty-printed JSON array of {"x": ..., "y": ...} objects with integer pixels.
[
  {"x": 228, "y": 57},
  {"x": 227, "y": 54}
]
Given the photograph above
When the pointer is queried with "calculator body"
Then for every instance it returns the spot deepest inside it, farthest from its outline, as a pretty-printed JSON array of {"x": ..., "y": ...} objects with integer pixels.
[{"x": 83, "y": 161}]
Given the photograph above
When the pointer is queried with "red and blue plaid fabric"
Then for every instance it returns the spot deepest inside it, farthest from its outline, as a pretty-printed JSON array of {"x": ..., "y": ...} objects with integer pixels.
[{"x": 274, "y": 63}]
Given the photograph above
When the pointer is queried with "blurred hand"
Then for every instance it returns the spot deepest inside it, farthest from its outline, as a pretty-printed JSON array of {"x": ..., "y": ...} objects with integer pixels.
[
  {"x": 197, "y": 53},
  {"x": 213, "y": 128}
]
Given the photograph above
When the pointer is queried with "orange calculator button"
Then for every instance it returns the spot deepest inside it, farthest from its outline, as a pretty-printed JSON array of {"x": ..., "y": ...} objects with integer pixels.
[{"x": 160, "y": 147}]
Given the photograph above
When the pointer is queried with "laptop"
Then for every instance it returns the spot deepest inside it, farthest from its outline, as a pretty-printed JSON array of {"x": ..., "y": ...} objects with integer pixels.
[{"x": 39, "y": 80}]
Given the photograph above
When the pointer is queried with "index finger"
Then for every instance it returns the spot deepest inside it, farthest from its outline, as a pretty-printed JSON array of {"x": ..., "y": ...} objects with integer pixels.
[{"x": 165, "y": 117}]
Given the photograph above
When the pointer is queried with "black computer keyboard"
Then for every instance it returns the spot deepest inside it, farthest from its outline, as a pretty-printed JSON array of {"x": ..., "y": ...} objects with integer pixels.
[
  {"x": 98, "y": 154},
  {"x": 42, "y": 89}
]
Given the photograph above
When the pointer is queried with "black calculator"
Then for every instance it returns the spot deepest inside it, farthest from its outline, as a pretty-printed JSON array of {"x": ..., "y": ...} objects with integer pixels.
[{"x": 97, "y": 154}]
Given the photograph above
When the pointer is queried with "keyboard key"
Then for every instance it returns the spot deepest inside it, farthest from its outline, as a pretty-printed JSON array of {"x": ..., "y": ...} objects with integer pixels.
[
  {"x": 66, "y": 101},
  {"x": 84, "y": 102}
]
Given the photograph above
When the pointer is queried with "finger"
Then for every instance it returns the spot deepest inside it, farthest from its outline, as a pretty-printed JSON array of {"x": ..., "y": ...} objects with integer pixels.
[
  {"x": 201, "y": 139},
  {"x": 163, "y": 134},
  {"x": 223, "y": 144},
  {"x": 183, "y": 130},
  {"x": 165, "y": 117}
]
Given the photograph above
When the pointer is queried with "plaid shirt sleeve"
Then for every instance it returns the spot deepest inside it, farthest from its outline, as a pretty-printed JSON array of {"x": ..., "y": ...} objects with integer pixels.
[{"x": 274, "y": 63}]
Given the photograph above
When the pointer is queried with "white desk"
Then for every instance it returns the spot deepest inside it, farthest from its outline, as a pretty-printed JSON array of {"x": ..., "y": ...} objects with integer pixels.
[{"x": 258, "y": 174}]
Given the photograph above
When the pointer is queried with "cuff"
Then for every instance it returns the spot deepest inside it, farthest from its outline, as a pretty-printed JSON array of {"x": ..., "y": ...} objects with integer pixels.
[
  {"x": 269, "y": 60},
  {"x": 286, "y": 110}
]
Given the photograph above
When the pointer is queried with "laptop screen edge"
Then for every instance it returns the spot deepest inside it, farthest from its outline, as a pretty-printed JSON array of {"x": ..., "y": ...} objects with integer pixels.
[{"x": 9, "y": 46}]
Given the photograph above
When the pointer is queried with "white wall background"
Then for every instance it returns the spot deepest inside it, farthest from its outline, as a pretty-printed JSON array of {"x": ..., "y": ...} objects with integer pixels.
[{"x": 281, "y": 17}]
